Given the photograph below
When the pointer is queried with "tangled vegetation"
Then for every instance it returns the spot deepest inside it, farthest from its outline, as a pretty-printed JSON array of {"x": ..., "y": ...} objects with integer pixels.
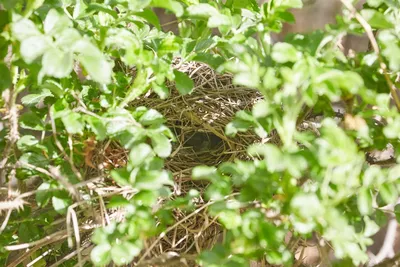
[{"x": 211, "y": 146}]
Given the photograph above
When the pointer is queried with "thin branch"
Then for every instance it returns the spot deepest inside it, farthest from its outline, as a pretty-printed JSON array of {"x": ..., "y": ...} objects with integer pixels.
[
  {"x": 375, "y": 46},
  {"x": 60, "y": 147}
]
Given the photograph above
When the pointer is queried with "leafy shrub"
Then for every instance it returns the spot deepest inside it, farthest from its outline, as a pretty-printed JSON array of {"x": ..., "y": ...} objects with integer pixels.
[{"x": 70, "y": 69}]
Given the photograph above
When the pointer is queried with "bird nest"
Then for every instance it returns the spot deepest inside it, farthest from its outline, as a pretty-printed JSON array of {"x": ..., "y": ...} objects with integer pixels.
[
  {"x": 198, "y": 121},
  {"x": 199, "y": 118}
]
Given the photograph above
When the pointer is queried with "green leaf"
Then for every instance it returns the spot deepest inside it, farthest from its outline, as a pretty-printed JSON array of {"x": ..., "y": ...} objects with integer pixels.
[
  {"x": 121, "y": 176},
  {"x": 5, "y": 77},
  {"x": 273, "y": 157},
  {"x": 151, "y": 117},
  {"x": 97, "y": 126},
  {"x": 60, "y": 205},
  {"x": 117, "y": 202},
  {"x": 230, "y": 219},
  {"x": 124, "y": 252},
  {"x": 202, "y": 11},
  {"x": 375, "y": 3},
  {"x": 73, "y": 123},
  {"x": 219, "y": 20},
  {"x": 212, "y": 60},
  {"x": 307, "y": 205},
  {"x": 67, "y": 38},
  {"x": 23, "y": 29},
  {"x": 161, "y": 145},
  {"x": 26, "y": 142},
  {"x": 389, "y": 193},
  {"x": 31, "y": 121},
  {"x": 364, "y": 201},
  {"x": 43, "y": 194},
  {"x": 203, "y": 172},
  {"x": 392, "y": 54},
  {"x": 55, "y": 23},
  {"x": 376, "y": 19},
  {"x": 93, "y": 61},
  {"x": 102, "y": 8},
  {"x": 161, "y": 90},
  {"x": 139, "y": 154},
  {"x": 35, "y": 159},
  {"x": 56, "y": 64},
  {"x": 289, "y": 3},
  {"x": 34, "y": 47},
  {"x": 153, "y": 180},
  {"x": 101, "y": 254},
  {"x": 183, "y": 83},
  {"x": 150, "y": 16},
  {"x": 284, "y": 52},
  {"x": 171, "y": 5},
  {"x": 34, "y": 99}
]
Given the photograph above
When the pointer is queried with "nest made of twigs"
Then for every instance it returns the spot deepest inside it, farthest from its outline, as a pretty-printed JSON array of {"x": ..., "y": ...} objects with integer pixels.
[
  {"x": 198, "y": 121},
  {"x": 199, "y": 118}
]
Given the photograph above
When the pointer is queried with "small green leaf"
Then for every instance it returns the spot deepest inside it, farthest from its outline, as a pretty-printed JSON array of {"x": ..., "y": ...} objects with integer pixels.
[
  {"x": 93, "y": 61},
  {"x": 43, "y": 194},
  {"x": 230, "y": 219},
  {"x": 364, "y": 201},
  {"x": 26, "y": 142},
  {"x": 34, "y": 99},
  {"x": 67, "y": 38},
  {"x": 151, "y": 117},
  {"x": 284, "y": 52},
  {"x": 73, "y": 123},
  {"x": 392, "y": 54},
  {"x": 121, "y": 176},
  {"x": 102, "y": 8},
  {"x": 171, "y": 5},
  {"x": 375, "y": 3},
  {"x": 55, "y": 23},
  {"x": 183, "y": 83},
  {"x": 101, "y": 254},
  {"x": 153, "y": 180},
  {"x": 117, "y": 201},
  {"x": 150, "y": 16},
  {"x": 202, "y": 11},
  {"x": 139, "y": 154},
  {"x": 31, "y": 121},
  {"x": 60, "y": 204},
  {"x": 289, "y": 3},
  {"x": 124, "y": 252},
  {"x": 161, "y": 90},
  {"x": 218, "y": 20},
  {"x": 212, "y": 60},
  {"x": 161, "y": 145},
  {"x": 5, "y": 77},
  {"x": 376, "y": 19},
  {"x": 34, "y": 47},
  {"x": 389, "y": 193},
  {"x": 307, "y": 205},
  {"x": 56, "y": 63},
  {"x": 23, "y": 29},
  {"x": 97, "y": 126},
  {"x": 203, "y": 172},
  {"x": 35, "y": 159}
]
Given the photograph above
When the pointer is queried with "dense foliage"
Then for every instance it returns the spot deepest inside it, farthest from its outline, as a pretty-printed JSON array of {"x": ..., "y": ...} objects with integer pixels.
[{"x": 69, "y": 70}]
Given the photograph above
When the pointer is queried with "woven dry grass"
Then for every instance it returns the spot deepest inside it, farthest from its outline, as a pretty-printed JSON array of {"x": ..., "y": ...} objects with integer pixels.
[
  {"x": 199, "y": 118},
  {"x": 198, "y": 121}
]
